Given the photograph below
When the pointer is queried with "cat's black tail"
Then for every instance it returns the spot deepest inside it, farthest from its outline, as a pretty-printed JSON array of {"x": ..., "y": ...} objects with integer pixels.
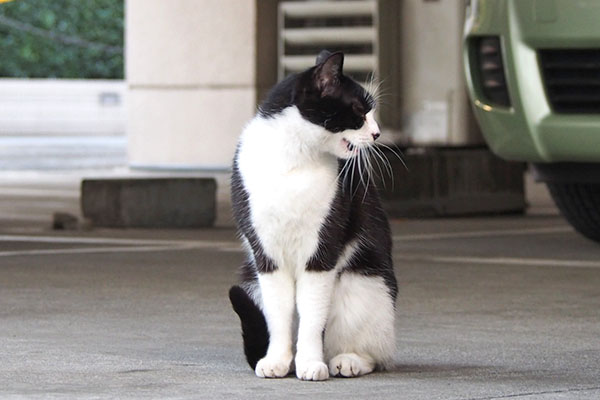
[{"x": 254, "y": 325}]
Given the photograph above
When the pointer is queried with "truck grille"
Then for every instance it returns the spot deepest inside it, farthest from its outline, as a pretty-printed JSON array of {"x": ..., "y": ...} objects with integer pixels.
[{"x": 572, "y": 80}]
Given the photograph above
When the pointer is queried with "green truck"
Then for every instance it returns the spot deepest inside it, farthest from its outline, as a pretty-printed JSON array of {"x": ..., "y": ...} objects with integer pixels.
[{"x": 533, "y": 73}]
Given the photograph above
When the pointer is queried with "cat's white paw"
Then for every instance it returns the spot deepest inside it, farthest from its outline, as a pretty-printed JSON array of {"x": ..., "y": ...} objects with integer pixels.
[
  {"x": 272, "y": 367},
  {"x": 349, "y": 365},
  {"x": 311, "y": 370}
]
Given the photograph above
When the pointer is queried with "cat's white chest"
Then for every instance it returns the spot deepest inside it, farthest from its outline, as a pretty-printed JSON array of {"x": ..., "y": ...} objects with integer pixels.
[{"x": 287, "y": 205}]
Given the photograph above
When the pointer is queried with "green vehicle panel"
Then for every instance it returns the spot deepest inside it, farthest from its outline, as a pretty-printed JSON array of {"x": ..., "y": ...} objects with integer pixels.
[{"x": 529, "y": 129}]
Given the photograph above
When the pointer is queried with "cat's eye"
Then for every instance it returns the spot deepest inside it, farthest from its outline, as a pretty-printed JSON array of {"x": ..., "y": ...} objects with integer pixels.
[{"x": 359, "y": 110}]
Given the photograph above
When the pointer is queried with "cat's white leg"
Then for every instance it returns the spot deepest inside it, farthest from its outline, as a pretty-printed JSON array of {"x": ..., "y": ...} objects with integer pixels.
[
  {"x": 313, "y": 299},
  {"x": 360, "y": 328},
  {"x": 277, "y": 289}
]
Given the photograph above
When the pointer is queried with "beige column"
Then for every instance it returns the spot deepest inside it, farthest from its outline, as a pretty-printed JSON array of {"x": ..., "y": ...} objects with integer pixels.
[
  {"x": 191, "y": 80},
  {"x": 435, "y": 106}
]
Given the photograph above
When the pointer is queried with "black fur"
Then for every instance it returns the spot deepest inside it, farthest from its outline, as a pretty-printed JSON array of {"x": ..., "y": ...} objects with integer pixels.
[
  {"x": 323, "y": 55},
  {"x": 254, "y": 326},
  {"x": 356, "y": 213},
  {"x": 323, "y": 95}
]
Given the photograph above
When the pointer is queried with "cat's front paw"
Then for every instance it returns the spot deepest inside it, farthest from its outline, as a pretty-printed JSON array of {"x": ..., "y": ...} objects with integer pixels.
[
  {"x": 273, "y": 367},
  {"x": 350, "y": 365},
  {"x": 311, "y": 370}
]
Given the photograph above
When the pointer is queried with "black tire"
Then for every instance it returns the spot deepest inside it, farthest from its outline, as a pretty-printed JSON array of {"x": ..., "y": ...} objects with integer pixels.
[{"x": 579, "y": 203}]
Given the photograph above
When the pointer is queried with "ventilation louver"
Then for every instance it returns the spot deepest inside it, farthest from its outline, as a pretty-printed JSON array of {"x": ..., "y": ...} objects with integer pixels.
[
  {"x": 572, "y": 80},
  {"x": 305, "y": 28}
]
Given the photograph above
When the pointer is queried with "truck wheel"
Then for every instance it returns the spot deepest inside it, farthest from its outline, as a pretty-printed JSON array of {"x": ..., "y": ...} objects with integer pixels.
[{"x": 579, "y": 203}]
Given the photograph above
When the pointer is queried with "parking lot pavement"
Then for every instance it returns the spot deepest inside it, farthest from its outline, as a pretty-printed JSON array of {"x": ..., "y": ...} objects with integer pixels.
[{"x": 497, "y": 307}]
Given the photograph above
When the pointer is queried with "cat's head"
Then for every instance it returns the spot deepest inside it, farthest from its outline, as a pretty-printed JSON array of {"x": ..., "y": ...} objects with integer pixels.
[{"x": 328, "y": 98}]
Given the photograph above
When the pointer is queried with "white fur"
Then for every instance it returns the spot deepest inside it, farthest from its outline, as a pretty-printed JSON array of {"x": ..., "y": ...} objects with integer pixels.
[
  {"x": 350, "y": 364},
  {"x": 361, "y": 320},
  {"x": 279, "y": 315},
  {"x": 290, "y": 183},
  {"x": 289, "y": 169},
  {"x": 291, "y": 180},
  {"x": 371, "y": 123},
  {"x": 314, "y": 290}
]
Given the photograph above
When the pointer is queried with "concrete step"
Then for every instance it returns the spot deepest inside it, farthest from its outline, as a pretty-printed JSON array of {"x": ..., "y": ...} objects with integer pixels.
[
  {"x": 440, "y": 182},
  {"x": 149, "y": 202}
]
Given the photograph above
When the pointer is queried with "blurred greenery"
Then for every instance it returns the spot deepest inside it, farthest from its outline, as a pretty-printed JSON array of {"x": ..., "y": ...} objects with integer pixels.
[{"x": 62, "y": 39}]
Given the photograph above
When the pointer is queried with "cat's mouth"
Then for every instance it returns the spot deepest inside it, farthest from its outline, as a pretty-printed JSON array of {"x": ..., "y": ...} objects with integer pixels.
[{"x": 349, "y": 146}]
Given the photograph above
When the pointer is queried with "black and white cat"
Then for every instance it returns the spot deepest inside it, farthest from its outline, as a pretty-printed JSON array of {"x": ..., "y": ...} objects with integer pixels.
[{"x": 318, "y": 240}]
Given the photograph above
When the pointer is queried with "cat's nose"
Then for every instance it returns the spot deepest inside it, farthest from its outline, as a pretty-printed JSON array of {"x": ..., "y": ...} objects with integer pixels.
[{"x": 375, "y": 135}]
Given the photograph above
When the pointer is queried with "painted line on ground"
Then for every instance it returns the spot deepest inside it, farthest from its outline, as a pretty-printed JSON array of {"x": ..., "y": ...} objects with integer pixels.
[
  {"x": 105, "y": 240},
  {"x": 235, "y": 244},
  {"x": 483, "y": 233},
  {"x": 41, "y": 193},
  {"x": 44, "y": 217},
  {"x": 109, "y": 249},
  {"x": 89, "y": 250},
  {"x": 83, "y": 240},
  {"x": 108, "y": 245},
  {"x": 532, "y": 262},
  {"x": 116, "y": 245}
]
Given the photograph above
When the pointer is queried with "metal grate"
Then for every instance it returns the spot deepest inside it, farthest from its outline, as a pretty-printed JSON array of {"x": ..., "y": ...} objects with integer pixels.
[
  {"x": 572, "y": 79},
  {"x": 306, "y": 28}
]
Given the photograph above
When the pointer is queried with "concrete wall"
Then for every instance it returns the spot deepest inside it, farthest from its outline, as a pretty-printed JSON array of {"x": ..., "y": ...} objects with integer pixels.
[
  {"x": 191, "y": 80},
  {"x": 61, "y": 107}
]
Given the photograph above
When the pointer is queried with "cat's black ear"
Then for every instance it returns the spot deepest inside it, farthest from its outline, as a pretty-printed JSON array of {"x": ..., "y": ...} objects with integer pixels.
[
  {"x": 327, "y": 74},
  {"x": 323, "y": 55}
]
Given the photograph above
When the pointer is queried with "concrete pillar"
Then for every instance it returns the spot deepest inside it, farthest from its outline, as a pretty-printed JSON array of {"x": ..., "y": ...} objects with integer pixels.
[
  {"x": 190, "y": 73},
  {"x": 435, "y": 106}
]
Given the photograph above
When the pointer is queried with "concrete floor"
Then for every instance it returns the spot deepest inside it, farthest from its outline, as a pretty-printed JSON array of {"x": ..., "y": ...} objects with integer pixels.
[{"x": 489, "y": 308}]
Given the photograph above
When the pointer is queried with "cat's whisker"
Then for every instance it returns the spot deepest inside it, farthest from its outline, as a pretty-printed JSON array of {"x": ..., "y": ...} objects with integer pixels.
[
  {"x": 357, "y": 171},
  {"x": 375, "y": 161},
  {"x": 343, "y": 173},
  {"x": 394, "y": 152},
  {"x": 367, "y": 160},
  {"x": 373, "y": 155},
  {"x": 340, "y": 173},
  {"x": 382, "y": 99},
  {"x": 374, "y": 86},
  {"x": 352, "y": 168},
  {"x": 360, "y": 173},
  {"x": 387, "y": 164},
  {"x": 348, "y": 172},
  {"x": 370, "y": 169},
  {"x": 367, "y": 171}
]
